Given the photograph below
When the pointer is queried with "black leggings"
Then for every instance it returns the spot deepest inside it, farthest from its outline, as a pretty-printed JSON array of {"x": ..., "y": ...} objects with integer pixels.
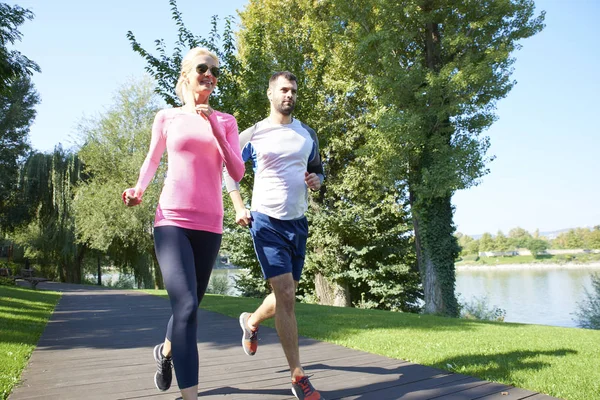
[{"x": 186, "y": 258}]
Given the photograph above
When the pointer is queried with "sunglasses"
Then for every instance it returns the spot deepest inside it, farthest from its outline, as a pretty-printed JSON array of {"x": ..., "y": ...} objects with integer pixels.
[{"x": 202, "y": 68}]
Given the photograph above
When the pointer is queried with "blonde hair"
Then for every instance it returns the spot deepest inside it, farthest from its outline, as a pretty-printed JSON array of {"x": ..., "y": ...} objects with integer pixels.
[{"x": 187, "y": 65}]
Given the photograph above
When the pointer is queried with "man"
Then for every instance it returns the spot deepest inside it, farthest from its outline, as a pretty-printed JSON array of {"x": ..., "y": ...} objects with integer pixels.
[{"x": 285, "y": 155}]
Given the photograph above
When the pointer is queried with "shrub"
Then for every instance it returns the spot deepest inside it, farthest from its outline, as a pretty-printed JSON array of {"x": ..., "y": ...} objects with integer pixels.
[
  {"x": 479, "y": 309},
  {"x": 588, "y": 312},
  {"x": 7, "y": 281},
  {"x": 219, "y": 284}
]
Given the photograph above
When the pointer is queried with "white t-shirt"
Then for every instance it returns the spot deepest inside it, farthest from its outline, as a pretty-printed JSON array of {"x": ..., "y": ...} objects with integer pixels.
[{"x": 280, "y": 154}]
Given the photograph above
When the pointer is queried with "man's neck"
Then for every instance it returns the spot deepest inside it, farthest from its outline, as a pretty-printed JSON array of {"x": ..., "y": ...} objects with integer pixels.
[{"x": 280, "y": 119}]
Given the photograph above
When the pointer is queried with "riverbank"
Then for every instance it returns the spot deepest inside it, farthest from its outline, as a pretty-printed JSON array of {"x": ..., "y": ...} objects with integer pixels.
[{"x": 527, "y": 266}]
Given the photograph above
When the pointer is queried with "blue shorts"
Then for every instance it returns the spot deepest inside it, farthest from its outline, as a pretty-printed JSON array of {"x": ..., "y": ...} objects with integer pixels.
[{"x": 280, "y": 245}]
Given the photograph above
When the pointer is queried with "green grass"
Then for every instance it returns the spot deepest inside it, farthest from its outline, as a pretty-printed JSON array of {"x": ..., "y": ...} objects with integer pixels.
[
  {"x": 543, "y": 259},
  {"x": 562, "y": 362},
  {"x": 23, "y": 317}
]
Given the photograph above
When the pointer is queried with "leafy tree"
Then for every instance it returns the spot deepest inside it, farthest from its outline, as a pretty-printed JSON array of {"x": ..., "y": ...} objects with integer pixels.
[
  {"x": 17, "y": 101},
  {"x": 501, "y": 243},
  {"x": 435, "y": 70},
  {"x": 360, "y": 246},
  {"x": 13, "y": 65},
  {"x": 486, "y": 242},
  {"x": 519, "y": 238},
  {"x": 17, "y": 113},
  {"x": 46, "y": 229},
  {"x": 536, "y": 246},
  {"x": 113, "y": 149},
  {"x": 593, "y": 239}
]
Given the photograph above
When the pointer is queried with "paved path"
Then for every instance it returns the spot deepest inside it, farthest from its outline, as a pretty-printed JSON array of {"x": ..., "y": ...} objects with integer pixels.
[{"x": 98, "y": 345}]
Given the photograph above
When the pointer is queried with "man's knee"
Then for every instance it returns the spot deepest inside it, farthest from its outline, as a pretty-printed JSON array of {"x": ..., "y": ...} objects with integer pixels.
[{"x": 284, "y": 288}]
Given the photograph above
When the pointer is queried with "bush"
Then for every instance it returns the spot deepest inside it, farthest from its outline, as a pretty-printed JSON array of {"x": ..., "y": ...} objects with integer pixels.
[
  {"x": 219, "y": 284},
  {"x": 588, "y": 313},
  {"x": 7, "y": 281},
  {"x": 479, "y": 309}
]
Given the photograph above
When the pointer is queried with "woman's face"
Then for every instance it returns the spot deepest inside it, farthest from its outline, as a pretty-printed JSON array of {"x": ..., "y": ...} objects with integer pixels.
[{"x": 202, "y": 82}]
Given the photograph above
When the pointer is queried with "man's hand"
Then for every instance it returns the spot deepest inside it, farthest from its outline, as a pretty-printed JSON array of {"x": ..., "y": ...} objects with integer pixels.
[
  {"x": 242, "y": 217},
  {"x": 131, "y": 197},
  {"x": 312, "y": 181}
]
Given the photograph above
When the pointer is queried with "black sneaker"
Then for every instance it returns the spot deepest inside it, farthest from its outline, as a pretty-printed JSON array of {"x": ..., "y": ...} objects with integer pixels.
[{"x": 164, "y": 369}]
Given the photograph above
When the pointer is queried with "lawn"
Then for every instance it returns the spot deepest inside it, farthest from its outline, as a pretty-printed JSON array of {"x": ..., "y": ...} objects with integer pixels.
[
  {"x": 562, "y": 362},
  {"x": 23, "y": 317}
]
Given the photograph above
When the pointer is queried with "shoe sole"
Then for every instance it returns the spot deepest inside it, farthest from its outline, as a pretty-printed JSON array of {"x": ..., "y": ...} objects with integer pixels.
[
  {"x": 156, "y": 358},
  {"x": 242, "y": 325}
]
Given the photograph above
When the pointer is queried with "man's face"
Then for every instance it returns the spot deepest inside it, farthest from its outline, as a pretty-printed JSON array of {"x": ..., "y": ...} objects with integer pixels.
[{"x": 282, "y": 94}]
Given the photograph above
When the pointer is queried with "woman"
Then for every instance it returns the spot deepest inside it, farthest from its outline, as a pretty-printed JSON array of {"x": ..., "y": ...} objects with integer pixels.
[{"x": 189, "y": 217}]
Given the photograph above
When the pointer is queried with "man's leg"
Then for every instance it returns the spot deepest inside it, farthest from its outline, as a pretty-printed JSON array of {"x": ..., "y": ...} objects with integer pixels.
[{"x": 284, "y": 291}]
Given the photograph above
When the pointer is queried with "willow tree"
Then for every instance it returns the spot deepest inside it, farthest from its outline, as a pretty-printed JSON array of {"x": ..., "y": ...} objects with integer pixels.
[
  {"x": 114, "y": 146},
  {"x": 46, "y": 229}
]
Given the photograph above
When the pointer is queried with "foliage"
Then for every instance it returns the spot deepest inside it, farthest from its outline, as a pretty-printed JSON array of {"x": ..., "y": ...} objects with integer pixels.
[
  {"x": 23, "y": 317},
  {"x": 359, "y": 245},
  {"x": 13, "y": 64},
  {"x": 479, "y": 309},
  {"x": 536, "y": 246},
  {"x": 519, "y": 238},
  {"x": 17, "y": 113},
  {"x": 4, "y": 281},
  {"x": 113, "y": 148},
  {"x": 46, "y": 227},
  {"x": 218, "y": 284},
  {"x": 588, "y": 312}
]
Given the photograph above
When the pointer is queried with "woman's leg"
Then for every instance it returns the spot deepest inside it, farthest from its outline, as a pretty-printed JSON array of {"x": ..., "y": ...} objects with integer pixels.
[{"x": 176, "y": 259}]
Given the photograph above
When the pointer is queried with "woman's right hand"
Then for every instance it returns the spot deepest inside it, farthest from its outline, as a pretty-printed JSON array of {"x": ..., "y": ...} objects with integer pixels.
[{"x": 131, "y": 197}]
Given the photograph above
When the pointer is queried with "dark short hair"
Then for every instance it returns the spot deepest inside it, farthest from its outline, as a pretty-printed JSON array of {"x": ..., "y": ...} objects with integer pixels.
[{"x": 286, "y": 74}]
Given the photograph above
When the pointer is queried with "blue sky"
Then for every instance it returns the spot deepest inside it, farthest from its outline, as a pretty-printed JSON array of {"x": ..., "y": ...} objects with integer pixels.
[{"x": 546, "y": 140}]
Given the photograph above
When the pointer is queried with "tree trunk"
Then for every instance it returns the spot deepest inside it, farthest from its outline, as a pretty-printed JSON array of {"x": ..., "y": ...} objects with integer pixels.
[
  {"x": 332, "y": 293},
  {"x": 99, "y": 271},
  {"x": 436, "y": 249}
]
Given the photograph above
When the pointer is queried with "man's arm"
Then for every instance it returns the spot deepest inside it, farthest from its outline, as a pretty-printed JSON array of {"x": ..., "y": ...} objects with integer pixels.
[{"x": 314, "y": 176}]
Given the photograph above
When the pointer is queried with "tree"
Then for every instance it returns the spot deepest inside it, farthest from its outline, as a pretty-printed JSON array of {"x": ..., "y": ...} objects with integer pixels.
[
  {"x": 360, "y": 245},
  {"x": 436, "y": 69},
  {"x": 113, "y": 149},
  {"x": 519, "y": 238},
  {"x": 17, "y": 113},
  {"x": 17, "y": 101},
  {"x": 13, "y": 64},
  {"x": 46, "y": 229},
  {"x": 536, "y": 246},
  {"x": 501, "y": 243},
  {"x": 486, "y": 242}
]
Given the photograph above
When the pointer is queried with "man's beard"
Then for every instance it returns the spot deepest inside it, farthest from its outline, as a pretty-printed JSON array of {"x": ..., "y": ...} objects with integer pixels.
[{"x": 285, "y": 109}]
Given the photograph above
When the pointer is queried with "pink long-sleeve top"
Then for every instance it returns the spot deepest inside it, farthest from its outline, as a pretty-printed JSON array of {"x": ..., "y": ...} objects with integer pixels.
[{"x": 197, "y": 148}]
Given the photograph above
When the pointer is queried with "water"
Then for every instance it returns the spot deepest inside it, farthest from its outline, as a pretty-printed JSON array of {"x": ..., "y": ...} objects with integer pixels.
[{"x": 546, "y": 296}]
